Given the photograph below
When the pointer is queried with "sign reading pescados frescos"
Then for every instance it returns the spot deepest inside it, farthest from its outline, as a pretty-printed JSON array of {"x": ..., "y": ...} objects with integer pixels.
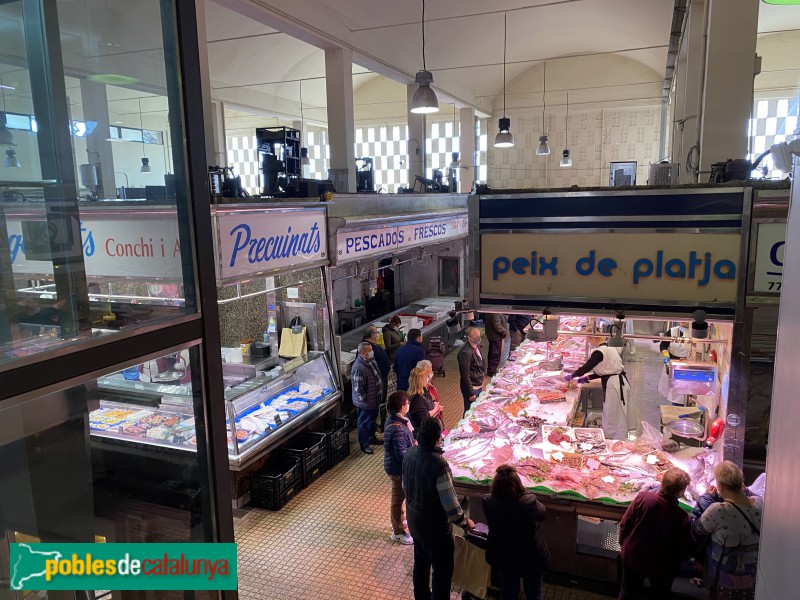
[
  {"x": 262, "y": 241},
  {"x": 362, "y": 243}
]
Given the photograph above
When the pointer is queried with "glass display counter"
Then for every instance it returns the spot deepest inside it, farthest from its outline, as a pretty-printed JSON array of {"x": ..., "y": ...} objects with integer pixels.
[{"x": 265, "y": 409}]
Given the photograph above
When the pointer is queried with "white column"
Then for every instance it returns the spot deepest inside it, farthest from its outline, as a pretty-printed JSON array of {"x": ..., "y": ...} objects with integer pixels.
[
  {"x": 466, "y": 145},
  {"x": 728, "y": 89},
  {"x": 98, "y": 148},
  {"x": 416, "y": 139},
  {"x": 341, "y": 128},
  {"x": 689, "y": 88},
  {"x": 219, "y": 149}
]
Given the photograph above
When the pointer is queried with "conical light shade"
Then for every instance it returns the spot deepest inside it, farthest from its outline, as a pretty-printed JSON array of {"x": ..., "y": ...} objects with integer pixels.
[
  {"x": 566, "y": 161},
  {"x": 504, "y": 139},
  {"x": 6, "y": 137},
  {"x": 544, "y": 147},
  {"x": 146, "y": 168},
  {"x": 424, "y": 100},
  {"x": 11, "y": 161}
]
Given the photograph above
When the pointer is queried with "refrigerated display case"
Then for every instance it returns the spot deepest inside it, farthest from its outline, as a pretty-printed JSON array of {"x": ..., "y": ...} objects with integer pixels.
[{"x": 265, "y": 409}]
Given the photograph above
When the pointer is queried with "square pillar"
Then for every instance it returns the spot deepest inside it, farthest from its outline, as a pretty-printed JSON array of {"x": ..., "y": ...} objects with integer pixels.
[
  {"x": 416, "y": 139},
  {"x": 341, "y": 128}
]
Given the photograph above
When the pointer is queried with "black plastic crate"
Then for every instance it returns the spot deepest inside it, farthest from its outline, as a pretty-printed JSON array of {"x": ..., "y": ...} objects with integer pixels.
[
  {"x": 337, "y": 438},
  {"x": 310, "y": 448},
  {"x": 315, "y": 470},
  {"x": 277, "y": 482},
  {"x": 338, "y": 455}
]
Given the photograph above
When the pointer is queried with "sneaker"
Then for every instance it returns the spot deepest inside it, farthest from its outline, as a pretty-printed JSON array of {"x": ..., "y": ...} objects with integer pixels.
[
  {"x": 367, "y": 450},
  {"x": 403, "y": 538}
]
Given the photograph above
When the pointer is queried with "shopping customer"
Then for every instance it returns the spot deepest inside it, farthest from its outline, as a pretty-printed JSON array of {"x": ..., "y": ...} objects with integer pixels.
[
  {"x": 735, "y": 528},
  {"x": 397, "y": 439},
  {"x": 407, "y": 358},
  {"x": 655, "y": 535},
  {"x": 392, "y": 340},
  {"x": 381, "y": 359},
  {"x": 515, "y": 548},
  {"x": 366, "y": 382},
  {"x": 421, "y": 402},
  {"x": 432, "y": 509},
  {"x": 427, "y": 366},
  {"x": 496, "y": 333},
  {"x": 470, "y": 367}
]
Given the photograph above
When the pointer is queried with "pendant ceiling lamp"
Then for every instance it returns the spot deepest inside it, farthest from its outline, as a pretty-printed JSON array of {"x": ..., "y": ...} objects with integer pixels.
[
  {"x": 145, "y": 168},
  {"x": 6, "y": 137},
  {"x": 544, "y": 148},
  {"x": 504, "y": 139},
  {"x": 424, "y": 100},
  {"x": 566, "y": 161},
  {"x": 304, "y": 160},
  {"x": 11, "y": 161}
]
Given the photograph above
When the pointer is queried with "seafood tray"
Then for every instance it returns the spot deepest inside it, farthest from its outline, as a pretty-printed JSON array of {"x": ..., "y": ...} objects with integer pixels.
[
  {"x": 659, "y": 461},
  {"x": 559, "y": 438},
  {"x": 590, "y": 441},
  {"x": 550, "y": 397}
]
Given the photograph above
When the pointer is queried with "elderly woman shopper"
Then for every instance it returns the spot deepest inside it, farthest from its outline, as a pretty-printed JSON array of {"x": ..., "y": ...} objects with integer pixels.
[
  {"x": 655, "y": 535},
  {"x": 735, "y": 527},
  {"x": 515, "y": 548},
  {"x": 397, "y": 439},
  {"x": 421, "y": 402}
]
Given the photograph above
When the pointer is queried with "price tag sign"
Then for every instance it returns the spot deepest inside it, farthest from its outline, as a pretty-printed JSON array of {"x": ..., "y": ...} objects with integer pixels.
[
  {"x": 558, "y": 456},
  {"x": 608, "y": 479},
  {"x": 651, "y": 459},
  {"x": 278, "y": 421}
]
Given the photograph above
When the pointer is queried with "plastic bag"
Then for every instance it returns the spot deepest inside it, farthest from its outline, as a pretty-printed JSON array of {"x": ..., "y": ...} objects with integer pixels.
[
  {"x": 652, "y": 436},
  {"x": 759, "y": 486}
]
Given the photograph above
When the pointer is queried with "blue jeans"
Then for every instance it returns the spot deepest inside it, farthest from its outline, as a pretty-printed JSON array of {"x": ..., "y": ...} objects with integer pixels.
[
  {"x": 436, "y": 554},
  {"x": 532, "y": 580},
  {"x": 366, "y": 425}
]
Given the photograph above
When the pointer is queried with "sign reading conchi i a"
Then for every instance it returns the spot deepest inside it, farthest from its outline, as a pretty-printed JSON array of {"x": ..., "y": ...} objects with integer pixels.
[{"x": 643, "y": 266}]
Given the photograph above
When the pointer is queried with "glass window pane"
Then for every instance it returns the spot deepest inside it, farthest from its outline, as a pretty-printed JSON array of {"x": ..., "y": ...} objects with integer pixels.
[
  {"x": 114, "y": 459},
  {"x": 94, "y": 243}
]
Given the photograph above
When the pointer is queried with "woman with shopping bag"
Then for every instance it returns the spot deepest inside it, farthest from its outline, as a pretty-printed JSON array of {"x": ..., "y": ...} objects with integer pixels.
[{"x": 515, "y": 547}]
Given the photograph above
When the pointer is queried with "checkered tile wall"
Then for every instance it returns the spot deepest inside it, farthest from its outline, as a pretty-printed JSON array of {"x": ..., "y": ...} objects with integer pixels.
[
  {"x": 774, "y": 120},
  {"x": 386, "y": 144}
]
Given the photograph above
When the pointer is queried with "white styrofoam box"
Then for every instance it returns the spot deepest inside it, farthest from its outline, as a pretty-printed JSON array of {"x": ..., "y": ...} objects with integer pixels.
[
  {"x": 432, "y": 311},
  {"x": 411, "y": 322}
]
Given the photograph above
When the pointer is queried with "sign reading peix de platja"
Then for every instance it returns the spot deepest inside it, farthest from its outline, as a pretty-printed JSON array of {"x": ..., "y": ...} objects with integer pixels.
[{"x": 637, "y": 266}]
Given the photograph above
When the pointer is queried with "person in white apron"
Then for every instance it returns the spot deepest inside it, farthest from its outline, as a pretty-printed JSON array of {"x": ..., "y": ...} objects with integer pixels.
[
  {"x": 677, "y": 350},
  {"x": 606, "y": 365}
]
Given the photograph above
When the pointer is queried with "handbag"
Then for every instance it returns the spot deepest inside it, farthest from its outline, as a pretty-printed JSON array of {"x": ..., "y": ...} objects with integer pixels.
[{"x": 293, "y": 344}]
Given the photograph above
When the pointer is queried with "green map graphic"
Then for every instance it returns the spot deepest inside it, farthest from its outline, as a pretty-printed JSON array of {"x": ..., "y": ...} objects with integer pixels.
[{"x": 29, "y": 564}]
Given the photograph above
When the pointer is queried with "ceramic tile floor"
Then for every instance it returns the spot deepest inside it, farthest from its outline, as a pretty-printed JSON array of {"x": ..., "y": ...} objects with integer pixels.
[{"x": 332, "y": 540}]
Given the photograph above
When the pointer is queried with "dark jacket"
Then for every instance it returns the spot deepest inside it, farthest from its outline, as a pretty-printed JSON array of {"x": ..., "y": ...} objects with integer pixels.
[
  {"x": 406, "y": 359},
  {"x": 397, "y": 439},
  {"x": 419, "y": 407},
  {"x": 427, "y": 519},
  {"x": 515, "y": 541},
  {"x": 381, "y": 358},
  {"x": 392, "y": 341},
  {"x": 655, "y": 534},
  {"x": 366, "y": 382},
  {"x": 471, "y": 368},
  {"x": 496, "y": 327},
  {"x": 518, "y": 322}
]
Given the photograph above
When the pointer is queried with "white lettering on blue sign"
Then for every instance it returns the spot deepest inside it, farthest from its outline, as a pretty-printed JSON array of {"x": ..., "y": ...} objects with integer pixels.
[{"x": 266, "y": 249}]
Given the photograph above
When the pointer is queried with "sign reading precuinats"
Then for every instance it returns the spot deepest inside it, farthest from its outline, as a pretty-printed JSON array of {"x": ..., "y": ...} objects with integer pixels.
[
  {"x": 355, "y": 245},
  {"x": 263, "y": 241},
  {"x": 654, "y": 266}
]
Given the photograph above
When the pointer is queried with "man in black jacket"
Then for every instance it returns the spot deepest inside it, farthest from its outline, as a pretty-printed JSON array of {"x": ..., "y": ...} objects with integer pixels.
[
  {"x": 471, "y": 367},
  {"x": 432, "y": 509},
  {"x": 382, "y": 360}
]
